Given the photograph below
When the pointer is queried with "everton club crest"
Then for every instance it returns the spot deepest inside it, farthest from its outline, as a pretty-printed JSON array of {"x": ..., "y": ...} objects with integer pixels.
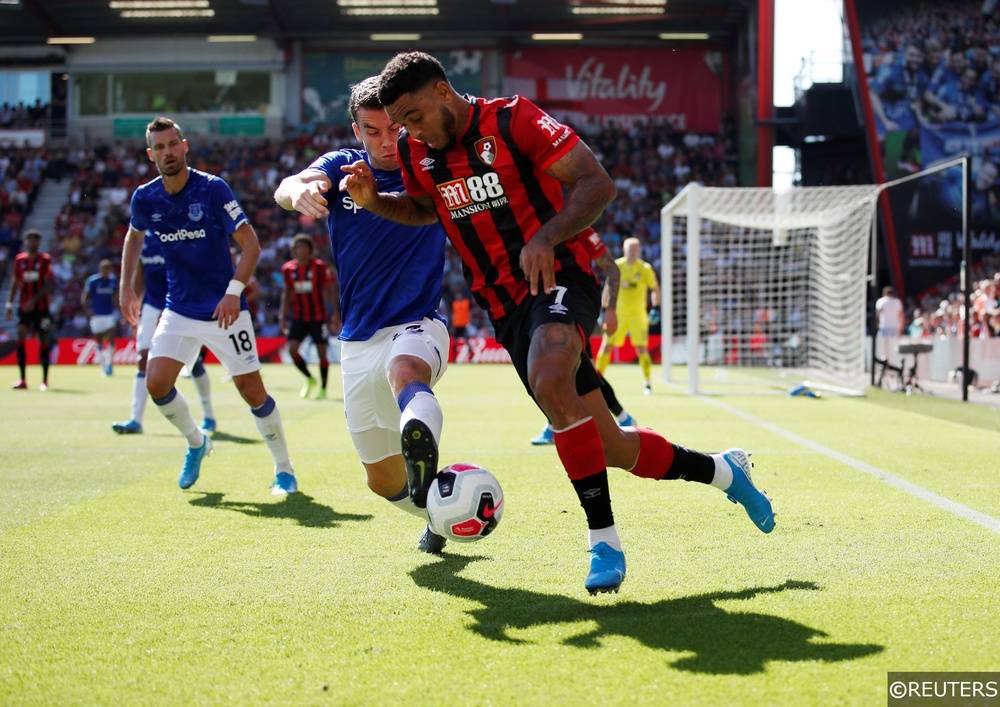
[
  {"x": 194, "y": 212},
  {"x": 486, "y": 148}
]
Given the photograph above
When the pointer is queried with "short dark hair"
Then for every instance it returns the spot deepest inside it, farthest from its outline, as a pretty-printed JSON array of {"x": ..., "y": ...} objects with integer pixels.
[
  {"x": 159, "y": 124},
  {"x": 364, "y": 95},
  {"x": 32, "y": 233},
  {"x": 408, "y": 72},
  {"x": 304, "y": 238}
]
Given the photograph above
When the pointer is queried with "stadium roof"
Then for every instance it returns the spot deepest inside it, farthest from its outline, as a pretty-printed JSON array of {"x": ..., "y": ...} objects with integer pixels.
[{"x": 352, "y": 22}]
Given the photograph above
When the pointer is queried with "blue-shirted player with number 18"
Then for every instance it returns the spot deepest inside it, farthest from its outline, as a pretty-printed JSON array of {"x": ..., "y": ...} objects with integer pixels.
[
  {"x": 151, "y": 284},
  {"x": 193, "y": 214},
  {"x": 395, "y": 343}
]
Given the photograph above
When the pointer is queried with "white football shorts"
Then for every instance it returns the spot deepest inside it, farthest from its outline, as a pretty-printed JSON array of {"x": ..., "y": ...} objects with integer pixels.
[
  {"x": 101, "y": 323},
  {"x": 371, "y": 408},
  {"x": 148, "y": 318},
  {"x": 181, "y": 338}
]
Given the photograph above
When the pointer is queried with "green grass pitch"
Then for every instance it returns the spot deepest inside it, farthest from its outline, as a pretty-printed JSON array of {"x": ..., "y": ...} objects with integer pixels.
[{"x": 118, "y": 588}]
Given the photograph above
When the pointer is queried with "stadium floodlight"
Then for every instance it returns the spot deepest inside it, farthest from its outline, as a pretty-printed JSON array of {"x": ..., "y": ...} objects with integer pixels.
[
  {"x": 389, "y": 11},
  {"x": 387, "y": 3},
  {"x": 398, "y": 37},
  {"x": 684, "y": 35},
  {"x": 157, "y": 4},
  {"x": 232, "y": 37},
  {"x": 168, "y": 14},
  {"x": 70, "y": 40},
  {"x": 617, "y": 10},
  {"x": 551, "y": 37}
]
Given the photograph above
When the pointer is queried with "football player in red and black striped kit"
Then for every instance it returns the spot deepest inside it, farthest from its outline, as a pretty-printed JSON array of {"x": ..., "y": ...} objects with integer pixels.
[
  {"x": 34, "y": 278},
  {"x": 493, "y": 171},
  {"x": 308, "y": 287}
]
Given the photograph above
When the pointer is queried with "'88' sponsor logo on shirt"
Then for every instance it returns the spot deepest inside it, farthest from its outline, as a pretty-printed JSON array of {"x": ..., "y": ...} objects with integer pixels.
[{"x": 469, "y": 195}]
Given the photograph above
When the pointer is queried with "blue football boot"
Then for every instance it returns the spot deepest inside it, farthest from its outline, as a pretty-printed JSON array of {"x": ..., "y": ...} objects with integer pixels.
[
  {"x": 607, "y": 569},
  {"x": 284, "y": 484},
  {"x": 743, "y": 491},
  {"x": 192, "y": 464},
  {"x": 544, "y": 437}
]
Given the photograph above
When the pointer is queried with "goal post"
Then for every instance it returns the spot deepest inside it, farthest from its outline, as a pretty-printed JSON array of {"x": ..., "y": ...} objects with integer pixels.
[{"x": 776, "y": 295}]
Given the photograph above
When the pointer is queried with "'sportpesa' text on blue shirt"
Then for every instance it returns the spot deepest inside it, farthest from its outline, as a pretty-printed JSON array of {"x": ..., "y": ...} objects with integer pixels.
[{"x": 193, "y": 228}]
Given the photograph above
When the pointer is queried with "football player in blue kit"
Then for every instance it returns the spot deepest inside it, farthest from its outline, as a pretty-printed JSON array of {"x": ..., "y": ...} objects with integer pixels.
[
  {"x": 151, "y": 283},
  {"x": 98, "y": 302},
  {"x": 193, "y": 214},
  {"x": 395, "y": 342}
]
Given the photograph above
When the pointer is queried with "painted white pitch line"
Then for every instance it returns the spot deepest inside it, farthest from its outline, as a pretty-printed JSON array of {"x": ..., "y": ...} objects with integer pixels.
[{"x": 920, "y": 492}]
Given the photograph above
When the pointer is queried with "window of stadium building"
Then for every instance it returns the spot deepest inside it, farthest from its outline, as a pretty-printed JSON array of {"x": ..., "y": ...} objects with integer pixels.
[{"x": 174, "y": 92}]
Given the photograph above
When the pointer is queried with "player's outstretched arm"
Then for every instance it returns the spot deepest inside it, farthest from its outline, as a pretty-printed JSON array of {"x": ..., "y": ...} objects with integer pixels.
[
  {"x": 303, "y": 192},
  {"x": 401, "y": 208},
  {"x": 128, "y": 302}
]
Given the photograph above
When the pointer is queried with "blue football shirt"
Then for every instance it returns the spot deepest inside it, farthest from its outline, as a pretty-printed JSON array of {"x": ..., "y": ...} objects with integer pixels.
[
  {"x": 193, "y": 227},
  {"x": 154, "y": 270},
  {"x": 389, "y": 274},
  {"x": 103, "y": 292}
]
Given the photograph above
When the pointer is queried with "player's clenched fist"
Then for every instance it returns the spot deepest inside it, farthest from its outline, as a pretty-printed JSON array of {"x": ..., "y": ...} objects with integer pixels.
[{"x": 310, "y": 200}]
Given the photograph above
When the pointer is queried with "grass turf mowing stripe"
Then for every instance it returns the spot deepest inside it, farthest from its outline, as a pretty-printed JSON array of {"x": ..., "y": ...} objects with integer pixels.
[{"x": 988, "y": 522}]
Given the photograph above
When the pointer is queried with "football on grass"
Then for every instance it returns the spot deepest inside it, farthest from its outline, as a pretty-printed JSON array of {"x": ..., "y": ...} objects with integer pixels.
[{"x": 464, "y": 502}]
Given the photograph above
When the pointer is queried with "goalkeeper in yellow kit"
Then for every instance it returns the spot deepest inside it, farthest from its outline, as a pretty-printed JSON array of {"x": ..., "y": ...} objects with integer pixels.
[{"x": 639, "y": 287}]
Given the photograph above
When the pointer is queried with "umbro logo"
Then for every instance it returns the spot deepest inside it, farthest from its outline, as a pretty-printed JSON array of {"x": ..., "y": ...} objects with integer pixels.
[
  {"x": 427, "y": 163},
  {"x": 157, "y": 217},
  {"x": 558, "y": 309}
]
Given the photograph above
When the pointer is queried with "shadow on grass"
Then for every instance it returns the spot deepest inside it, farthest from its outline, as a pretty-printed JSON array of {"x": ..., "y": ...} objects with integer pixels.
[
  {"x": 219, "y": 436},
  {"x": 296, "y": 506},
  {"x": 720, "y": 642}
]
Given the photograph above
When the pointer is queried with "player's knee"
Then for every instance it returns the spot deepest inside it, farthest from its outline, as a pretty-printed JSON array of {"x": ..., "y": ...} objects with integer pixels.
[
  {"x": 158, "y": 386},
  {"x": 251, "y": 389},
  {"x": 551, "y": 386},
  {"x": 404, "y": 370}
]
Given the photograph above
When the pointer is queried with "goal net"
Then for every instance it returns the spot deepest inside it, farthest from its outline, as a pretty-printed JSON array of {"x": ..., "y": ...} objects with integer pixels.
[{"x": 776, "y": 295}]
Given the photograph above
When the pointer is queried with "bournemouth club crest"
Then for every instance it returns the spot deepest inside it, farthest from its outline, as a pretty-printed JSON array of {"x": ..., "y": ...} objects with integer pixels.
[{"x": 486, "y": 148}]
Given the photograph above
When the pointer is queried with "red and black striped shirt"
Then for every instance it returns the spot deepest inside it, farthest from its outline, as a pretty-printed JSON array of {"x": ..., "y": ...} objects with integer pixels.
[
  {"x": 305, "y": 285},
  {"x": 492, "y": 194},
  {"x": 31, "y": 273}
]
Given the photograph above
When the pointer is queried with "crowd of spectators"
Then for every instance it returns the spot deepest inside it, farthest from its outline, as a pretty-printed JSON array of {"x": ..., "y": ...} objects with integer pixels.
[
  {"x": 22, "y": 116},
  {"x": 940, "y": 312},
  {"x": 21, "y": 173},
  {"x": 649, "y": 163}
]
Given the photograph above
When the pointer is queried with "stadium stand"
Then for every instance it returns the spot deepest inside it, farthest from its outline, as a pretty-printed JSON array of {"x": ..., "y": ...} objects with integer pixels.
[{"x": 649, "y": 163}]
